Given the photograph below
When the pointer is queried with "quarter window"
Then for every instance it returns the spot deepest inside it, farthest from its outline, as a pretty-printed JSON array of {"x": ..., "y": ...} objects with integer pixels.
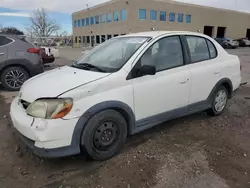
[
  {"x": 116, "y": 16},
  {"x": 212, "y": 49},
  {"x": 142, "y": 14},
  {"x": 198, "y": 48},
  {"x": 163, "y": 16},
  {"x": 172, "y": 17},
  {"x": 164, "y": 54},
  {"x": 153, "y": 14},
  {"x": 123, "y": 14},
  {"x": 4, "y": 41}
]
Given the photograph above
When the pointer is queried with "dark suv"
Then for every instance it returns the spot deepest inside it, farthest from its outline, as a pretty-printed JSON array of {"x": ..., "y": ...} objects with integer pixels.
[{"x": 19, "y": 60}]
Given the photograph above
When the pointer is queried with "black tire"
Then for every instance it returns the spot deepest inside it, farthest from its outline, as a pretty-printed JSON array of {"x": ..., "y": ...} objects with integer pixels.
[
  {"x": 92, "y": 136},
  {"x": 212, "y": 111},
  {"x": 18, "y": 82}
]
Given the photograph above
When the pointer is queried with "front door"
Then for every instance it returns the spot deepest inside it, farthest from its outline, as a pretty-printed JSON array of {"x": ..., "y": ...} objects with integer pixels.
[{"x": 168, "y": 89}]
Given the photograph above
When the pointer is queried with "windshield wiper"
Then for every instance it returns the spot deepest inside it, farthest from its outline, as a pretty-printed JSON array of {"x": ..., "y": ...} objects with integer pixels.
[{"x": 87, "y": 65}]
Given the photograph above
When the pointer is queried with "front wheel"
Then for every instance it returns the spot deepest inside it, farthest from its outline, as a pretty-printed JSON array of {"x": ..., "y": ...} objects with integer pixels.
[
  {"x": 12, "y": 78},
  {"x": 219, "y": 101},
  {"x": 104, "y": 135}
]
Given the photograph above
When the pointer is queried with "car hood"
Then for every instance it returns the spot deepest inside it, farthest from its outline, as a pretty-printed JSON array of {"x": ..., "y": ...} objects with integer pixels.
[{"x": 55, "y": 82}]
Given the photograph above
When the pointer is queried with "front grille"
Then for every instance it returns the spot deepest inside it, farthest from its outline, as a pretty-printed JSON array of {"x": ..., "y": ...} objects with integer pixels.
[{"x": 25, "y": 104}]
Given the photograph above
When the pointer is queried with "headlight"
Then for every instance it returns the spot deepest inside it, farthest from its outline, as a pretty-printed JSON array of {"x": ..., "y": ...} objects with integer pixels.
[{"x": 50, "y": 108}]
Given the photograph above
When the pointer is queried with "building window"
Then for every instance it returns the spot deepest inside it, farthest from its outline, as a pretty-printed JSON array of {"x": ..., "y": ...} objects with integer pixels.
[
  {"x": 163, "y": 16},
  {"x": 123, "y": 14},
  {"x": 83, "y": 22},
  {"x": 88, "y": 39},
  {"x": 142, "y": 14},
  {"x": 188, "y": 18},
  {"x": 79, "y": 23},
  {"x": 103, "y": 18},
  {"x": 172, "y": 17},
  {"x": 109, "y": 37},
  {"x": 153, "y": 14},
  {"x": 97, "y": 39},
  {"x": 75, "y": 23},
  {"x": 92, "y": 20},
  {"x": 75, "y": 39},
  {"x": 180, "y": 17},
  {"x": 103, "y": 38},
  {"x": 87, "y": 21},
  {"x": 116, "y": 16},
  {"x": 109, "y": 17},
  {"x": 97, "y": 19},
  {"x": 83, "y": 39}
]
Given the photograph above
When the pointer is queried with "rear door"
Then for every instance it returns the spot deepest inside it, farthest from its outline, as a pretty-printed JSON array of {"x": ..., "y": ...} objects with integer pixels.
[
  {"x": 205, "y": 67},
  {"x": 3, "y": 51}
]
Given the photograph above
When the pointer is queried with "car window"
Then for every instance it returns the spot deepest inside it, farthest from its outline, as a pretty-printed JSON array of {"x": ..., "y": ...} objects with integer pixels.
[
  {"x": 212, "y": 49},
  {"x": 198, "y": 48},
  {"x": 164, "y": 54},
  {"x": 4, "y": 40}
]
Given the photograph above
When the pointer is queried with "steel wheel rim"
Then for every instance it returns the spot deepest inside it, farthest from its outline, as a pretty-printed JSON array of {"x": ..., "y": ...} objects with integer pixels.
[
  {"x": 220, "y": 100},
  {"x": 15, "y": 79},
  {"x": 105, "y": 136}
]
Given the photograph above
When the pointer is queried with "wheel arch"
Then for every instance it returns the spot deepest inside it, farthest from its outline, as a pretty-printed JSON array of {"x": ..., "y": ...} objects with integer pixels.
[
  {"x": 119, "y": 106},
  {"x": 226, "y": 82},
  {"x": 23, "y": 63}
]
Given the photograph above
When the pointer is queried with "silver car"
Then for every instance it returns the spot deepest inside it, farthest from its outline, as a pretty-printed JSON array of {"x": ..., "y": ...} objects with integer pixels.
[{"x": 19, "y": 60}]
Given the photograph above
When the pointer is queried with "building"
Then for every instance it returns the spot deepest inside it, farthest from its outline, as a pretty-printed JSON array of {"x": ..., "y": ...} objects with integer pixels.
[{"x": 120, "y": 17}]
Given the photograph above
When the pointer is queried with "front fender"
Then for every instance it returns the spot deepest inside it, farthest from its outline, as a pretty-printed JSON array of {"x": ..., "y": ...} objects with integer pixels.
[{"x": 121, "y": 107}]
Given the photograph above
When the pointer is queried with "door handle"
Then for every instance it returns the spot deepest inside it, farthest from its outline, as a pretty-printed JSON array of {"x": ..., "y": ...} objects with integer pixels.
[
  {"x": 216, "y": 72},
  {"x": 185, "y": 81},
  {"x": 1, "y": 53}
]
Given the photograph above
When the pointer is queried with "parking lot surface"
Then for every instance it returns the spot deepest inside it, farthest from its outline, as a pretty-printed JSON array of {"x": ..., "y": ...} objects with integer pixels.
[{"x": 197, "y": 151}]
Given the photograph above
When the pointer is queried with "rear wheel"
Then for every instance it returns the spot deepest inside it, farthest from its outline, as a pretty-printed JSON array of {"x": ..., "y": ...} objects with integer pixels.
[
  {"x": 12, "y": 78},
  {"x": 219, "y": 102},
  {"x": 104, "y": 135}
]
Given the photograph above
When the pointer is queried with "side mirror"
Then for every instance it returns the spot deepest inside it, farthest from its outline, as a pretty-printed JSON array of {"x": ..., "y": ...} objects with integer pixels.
[{"x": 147, "y": 70}]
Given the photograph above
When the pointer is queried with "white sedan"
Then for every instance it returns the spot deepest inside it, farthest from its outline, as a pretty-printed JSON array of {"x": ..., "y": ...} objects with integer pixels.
[{"x": 126, "y": 85}]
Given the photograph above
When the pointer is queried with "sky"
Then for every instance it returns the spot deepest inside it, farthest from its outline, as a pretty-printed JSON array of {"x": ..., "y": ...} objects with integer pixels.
[{"x": 17, "y": 12}]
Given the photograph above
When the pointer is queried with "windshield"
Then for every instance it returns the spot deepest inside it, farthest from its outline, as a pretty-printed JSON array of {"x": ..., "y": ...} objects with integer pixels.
[{"x": 111, "y": 55}]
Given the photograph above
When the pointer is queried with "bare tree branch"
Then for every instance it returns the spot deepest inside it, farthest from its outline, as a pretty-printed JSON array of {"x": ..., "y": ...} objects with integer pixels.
[{"x": 41, "y": 25}]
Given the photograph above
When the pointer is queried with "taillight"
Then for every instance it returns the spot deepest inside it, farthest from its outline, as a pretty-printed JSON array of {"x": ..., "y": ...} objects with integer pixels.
[{"x": 34, "y": 50}]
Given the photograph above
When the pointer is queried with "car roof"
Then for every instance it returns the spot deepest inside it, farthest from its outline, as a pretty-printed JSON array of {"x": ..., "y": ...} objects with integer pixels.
[{"x": 154, "y": 34}]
